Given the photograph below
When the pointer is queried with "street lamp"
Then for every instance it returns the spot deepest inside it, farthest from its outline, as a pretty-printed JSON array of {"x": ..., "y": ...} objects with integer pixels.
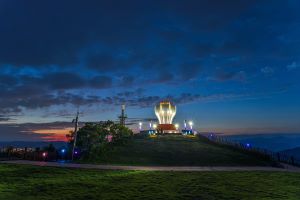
[
  {"x": 176, "y": 126},
  {"x": 191, "y": 125}
]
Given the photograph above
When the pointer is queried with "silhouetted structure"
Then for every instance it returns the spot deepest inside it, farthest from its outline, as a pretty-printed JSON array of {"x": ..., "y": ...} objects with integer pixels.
[{"x": 123, "y": 116}]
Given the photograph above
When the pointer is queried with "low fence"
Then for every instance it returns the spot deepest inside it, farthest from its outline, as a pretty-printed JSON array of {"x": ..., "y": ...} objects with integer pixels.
[{"x": 275, "y": 156}]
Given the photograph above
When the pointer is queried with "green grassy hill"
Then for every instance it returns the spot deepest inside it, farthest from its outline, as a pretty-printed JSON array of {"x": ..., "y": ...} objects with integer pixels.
[
  {"x": 46, "y": 183},
  {"x": 178, "y": 151}
]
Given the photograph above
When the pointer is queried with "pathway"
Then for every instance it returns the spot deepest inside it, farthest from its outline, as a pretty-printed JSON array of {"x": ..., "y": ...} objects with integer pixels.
[{"x": 152, "y": 168}]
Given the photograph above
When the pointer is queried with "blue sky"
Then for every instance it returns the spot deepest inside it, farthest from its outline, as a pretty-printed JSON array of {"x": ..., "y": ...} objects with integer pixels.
[{"x": 230, "y": 66}]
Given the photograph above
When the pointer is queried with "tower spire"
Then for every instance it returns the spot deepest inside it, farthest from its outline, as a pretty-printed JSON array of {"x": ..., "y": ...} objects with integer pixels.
[
  {"x": 75, "y": 121},
  {"x": 123, "y": 116}
]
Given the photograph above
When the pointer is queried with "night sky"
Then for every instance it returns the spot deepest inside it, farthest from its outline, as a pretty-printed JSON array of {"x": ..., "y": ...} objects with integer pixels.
[{"x": 230, "y": 66}]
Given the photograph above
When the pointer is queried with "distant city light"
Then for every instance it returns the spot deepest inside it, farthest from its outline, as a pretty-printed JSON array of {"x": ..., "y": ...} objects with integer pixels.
[
  {"x": 140, "y": 125},
  {"x": 44, "y": 154},
  {"x": 177, "y": 126},
  {"x": 154, "y": 126},
  {"x": 63, "y": 150}
]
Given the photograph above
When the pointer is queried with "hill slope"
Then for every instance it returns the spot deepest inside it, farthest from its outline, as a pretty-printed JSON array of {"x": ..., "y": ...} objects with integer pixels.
[{"x": 178, "y": 151}]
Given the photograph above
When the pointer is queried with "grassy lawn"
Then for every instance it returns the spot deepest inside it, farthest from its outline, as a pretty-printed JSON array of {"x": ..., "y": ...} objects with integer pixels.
[
  {"x": 28, "y": 182},
  {"x": 177, "y": 150}
]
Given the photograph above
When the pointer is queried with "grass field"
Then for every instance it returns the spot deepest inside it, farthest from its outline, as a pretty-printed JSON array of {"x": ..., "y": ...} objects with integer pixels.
[
  {"x": 178, "y": 151},
  {"x": 43, "y": 183}
]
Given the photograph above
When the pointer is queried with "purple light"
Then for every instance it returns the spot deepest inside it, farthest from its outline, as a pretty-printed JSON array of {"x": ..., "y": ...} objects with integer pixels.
[
  {"x": 44, "y": 154},
  {"x": 76, "y": 152}
]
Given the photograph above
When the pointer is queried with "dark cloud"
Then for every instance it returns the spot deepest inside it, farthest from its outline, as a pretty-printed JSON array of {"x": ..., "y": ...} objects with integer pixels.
[
  {"x": 101, "y": 82},
  {"x": 137, "y": 92},
  {"x": 189, "y": 70},
  {"x": 127, "y": 80},
  {"x": 7, "y": 80},
  {"x": 101, "y": 62},
  {"x": 64, "y": 80},
  {"x": 222, "y": 75},
  {"x": 4, "y": 118}
]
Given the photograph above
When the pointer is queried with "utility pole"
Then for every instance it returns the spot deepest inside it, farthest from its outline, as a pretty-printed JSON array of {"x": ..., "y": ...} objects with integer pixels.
[
  {"x": 75, "y": 133},
  {"x": 123, "y": 116}
]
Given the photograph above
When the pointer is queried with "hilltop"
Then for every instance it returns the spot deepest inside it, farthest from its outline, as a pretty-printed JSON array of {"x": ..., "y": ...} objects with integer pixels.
[{"x": 174, "y": 150}]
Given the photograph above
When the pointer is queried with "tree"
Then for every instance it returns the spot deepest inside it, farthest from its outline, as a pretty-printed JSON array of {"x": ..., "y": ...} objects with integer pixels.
[
  {"x": 50, "y": 148},
  {"x": 94, "y": 138}
]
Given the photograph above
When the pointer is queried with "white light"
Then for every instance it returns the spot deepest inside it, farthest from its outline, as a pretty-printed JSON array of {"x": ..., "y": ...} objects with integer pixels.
[
  {"x": 140, "y": 125},
  {"x": 191, "y": 125},
  {"x": 154, "y": 126},
  {"x": 177, "y": 126}
]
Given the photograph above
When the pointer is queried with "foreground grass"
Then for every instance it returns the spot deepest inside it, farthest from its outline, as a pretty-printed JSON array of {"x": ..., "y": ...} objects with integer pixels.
[
  {"x": 177, "y": 151},
  {"x": 28, "y": 182}
]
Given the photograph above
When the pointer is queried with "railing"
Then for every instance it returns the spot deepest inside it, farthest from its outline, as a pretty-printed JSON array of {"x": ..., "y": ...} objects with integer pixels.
[{"x": 275, "y": 156}]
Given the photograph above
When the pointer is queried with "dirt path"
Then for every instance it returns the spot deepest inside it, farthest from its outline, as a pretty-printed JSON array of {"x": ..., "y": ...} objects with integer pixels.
[{"x": 152, "y": 168}]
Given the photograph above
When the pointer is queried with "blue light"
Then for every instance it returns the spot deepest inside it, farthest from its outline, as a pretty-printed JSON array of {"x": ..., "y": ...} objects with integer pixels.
[
  {"x": 63, "y": 150},
  {"x": 248, "y": 145}
]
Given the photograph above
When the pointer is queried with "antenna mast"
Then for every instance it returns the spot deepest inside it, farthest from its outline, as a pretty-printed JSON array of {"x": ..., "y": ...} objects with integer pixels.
[
  {"x": 75, "y": 133},
  {"x": 123, "y": 116}
]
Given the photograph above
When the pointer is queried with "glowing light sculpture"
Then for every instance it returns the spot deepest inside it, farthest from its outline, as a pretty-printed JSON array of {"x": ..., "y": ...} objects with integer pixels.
[{"x": 165, "y": 112}]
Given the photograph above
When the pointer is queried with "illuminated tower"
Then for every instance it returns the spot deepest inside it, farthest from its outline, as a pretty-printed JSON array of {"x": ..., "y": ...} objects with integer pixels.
[{"x": 165, "y": 112}]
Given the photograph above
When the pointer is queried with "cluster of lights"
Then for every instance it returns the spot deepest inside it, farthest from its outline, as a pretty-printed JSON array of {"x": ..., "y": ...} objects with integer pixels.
[{"x": 154, "y": 126}]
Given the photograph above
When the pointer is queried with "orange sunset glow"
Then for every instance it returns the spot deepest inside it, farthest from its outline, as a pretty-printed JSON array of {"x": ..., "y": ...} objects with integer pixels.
[{"x": 54, "y": 134}]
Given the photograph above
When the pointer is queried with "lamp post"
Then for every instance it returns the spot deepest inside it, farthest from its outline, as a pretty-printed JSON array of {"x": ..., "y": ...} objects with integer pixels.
[
  {"x": 154, "y": 126},
  {"x": 75, "y": 134},
  {"x": 176, "y": 126},
  {"x": 191, "y": 125}
]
